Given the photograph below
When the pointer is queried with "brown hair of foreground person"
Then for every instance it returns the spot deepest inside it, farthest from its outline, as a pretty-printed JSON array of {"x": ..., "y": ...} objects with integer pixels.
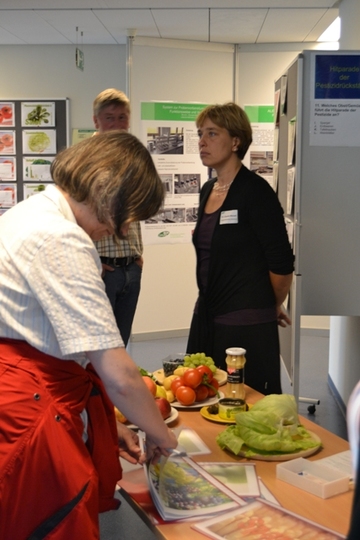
[{"x": 106, "y": 170}]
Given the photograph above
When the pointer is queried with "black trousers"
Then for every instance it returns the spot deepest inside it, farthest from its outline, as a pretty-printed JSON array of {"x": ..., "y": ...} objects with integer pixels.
[{"x": 261, "y": 341}]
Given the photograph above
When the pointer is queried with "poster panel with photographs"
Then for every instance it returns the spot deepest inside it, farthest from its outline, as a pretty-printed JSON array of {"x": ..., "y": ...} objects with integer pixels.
[
  {"x": 169, "y": 132},
  {"x": 31, "y": 134},
  {"x": 260, "y": 156}
]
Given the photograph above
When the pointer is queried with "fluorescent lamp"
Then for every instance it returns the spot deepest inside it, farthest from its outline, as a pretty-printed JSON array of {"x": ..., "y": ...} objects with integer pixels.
[{"x": 332, "y": 33}]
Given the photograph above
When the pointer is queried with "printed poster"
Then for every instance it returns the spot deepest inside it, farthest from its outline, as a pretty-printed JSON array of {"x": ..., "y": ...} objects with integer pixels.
[
  {"x": 169, "y": 132},
  {"x": 335, "y": 100},
  {"x": 7, "y": 142},
  {"x": 8, "y": 195},
  {"x": 39, "y": 141},
  {"x": 260, "y": 156},
  {"x": 7, "y": 114},
  {"x": 38, "y": 114},
  {"x": 7, "y": 169},
  {"x": 37, "y": 168}
]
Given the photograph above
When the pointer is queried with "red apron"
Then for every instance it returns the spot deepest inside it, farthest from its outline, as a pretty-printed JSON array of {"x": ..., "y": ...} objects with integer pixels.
[{"x": 52, "y": 484}]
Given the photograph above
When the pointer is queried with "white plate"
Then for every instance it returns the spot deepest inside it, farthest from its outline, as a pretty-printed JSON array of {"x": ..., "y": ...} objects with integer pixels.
[
  {"x": 287, "y": 457},
  {"x": 173, "y": 416},
  {"x": 198, "y": 404}
]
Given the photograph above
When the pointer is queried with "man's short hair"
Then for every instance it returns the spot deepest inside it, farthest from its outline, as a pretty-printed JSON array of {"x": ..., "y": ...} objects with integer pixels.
[{"x": 110, "y": 96}]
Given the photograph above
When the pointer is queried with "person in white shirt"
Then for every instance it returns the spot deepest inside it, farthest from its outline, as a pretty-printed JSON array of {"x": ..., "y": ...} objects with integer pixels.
[{"x": 63, "y": 364}]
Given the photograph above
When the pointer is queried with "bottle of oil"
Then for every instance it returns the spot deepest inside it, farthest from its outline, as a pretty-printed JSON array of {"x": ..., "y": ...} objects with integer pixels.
[{"x": 235, "y": 361}]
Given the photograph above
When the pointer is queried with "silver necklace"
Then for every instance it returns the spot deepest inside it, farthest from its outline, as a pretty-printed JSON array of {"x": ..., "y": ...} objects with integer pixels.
[{"x": 217, "y": 187}]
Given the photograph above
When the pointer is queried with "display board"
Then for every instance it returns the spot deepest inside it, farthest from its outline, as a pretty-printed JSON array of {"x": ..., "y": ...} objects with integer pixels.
[
  {"x": 317, "y": 156},
  {"x": 31, "y": 134}
]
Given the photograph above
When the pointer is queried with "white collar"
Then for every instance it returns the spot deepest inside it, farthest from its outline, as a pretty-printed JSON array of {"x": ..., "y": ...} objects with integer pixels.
[{"x": 53, "y": 193}]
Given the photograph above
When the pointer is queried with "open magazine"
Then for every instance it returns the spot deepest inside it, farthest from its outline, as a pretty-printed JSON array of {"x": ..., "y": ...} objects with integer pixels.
[{"x": 181, "y": 489}]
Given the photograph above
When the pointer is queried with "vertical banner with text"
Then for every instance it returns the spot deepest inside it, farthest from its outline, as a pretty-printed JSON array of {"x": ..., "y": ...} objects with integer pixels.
[{"x": 335, "y": 100}]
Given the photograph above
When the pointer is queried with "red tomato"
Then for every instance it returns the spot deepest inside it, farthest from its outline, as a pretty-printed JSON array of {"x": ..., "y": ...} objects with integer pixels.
[
  {"x": 206, "y": 373},
  {"x": 192, "y": 378},
  {"x": 179, "y": 381},
  {"x": 185, "y": 395},
  {"x": 201, "y": 392},
  {"x": 1, "y": 117},
  {"x": 6, "y": 112},
  {"x": 214, "y": 389},
  {"x": 7, "y": 139}
]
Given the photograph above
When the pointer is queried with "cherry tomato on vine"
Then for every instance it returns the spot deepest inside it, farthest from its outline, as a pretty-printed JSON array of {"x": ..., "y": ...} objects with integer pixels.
[
  {"x": 206, "y": 373},
  {"x": 179, "y": 381},
  {"x": 192, "y": 378},
  {"x": 214, "y": 389},
  {"x": 185, "y": 395},
  {"x": 201, "y": 392}
]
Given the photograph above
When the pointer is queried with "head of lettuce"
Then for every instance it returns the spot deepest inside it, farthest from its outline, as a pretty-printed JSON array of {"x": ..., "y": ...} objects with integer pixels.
[{"x": 270, "y": 427}]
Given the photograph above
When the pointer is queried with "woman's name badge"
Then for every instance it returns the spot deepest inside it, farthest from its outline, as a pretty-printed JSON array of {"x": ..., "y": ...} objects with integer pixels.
[{"x": 229, "y": 216}]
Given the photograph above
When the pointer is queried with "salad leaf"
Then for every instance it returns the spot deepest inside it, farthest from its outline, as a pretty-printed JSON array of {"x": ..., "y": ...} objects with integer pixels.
[
  {"x": 271, "y": 426},
  {"x": 231, "y": 440},
  {"x": 284, "y": 405}
]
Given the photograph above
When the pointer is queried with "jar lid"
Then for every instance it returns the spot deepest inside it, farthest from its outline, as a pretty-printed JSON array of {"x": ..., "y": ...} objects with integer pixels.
[{"x": 235, "y": 351}]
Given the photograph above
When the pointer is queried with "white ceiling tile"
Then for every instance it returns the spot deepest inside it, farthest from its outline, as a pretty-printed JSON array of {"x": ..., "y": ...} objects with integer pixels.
[
  {"x": 289, "y": 25},
  {"x": 119, "y": 21},
  {"x": 236, "y": 25},
  {"x": 191, "y": 24},
  {"x": 7, "y": 38},
  {"x": 108, "y": 21},
  {"x": 67, "y": 21},
  {"x": 323, "y": 23},
  {"x": 164, "y": 4},
  {"x": 30, "y": 28},
  {"x": 207, "y": 4}
]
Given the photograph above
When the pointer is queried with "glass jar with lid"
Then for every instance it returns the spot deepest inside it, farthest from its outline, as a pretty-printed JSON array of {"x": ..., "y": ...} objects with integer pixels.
[{"x": 235, "y": 362}]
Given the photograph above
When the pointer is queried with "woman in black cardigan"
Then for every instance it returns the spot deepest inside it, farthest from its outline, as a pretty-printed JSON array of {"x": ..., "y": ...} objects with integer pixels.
[{"x": 244, "y": 259}]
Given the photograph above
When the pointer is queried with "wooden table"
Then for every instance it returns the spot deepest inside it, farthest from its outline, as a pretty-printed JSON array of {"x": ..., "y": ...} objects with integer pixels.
[{"x": 334, "y": 512}]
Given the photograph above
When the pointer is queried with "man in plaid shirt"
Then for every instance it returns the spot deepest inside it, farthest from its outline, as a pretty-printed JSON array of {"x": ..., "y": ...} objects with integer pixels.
[{"x": 121, "y": 259}]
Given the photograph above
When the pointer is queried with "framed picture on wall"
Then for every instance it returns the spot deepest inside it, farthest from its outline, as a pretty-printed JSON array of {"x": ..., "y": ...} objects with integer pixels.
[
  {"x": 7, "y": 114},
  {"x": 39, "y": 141},
  {"x": 41, "y": 114}
]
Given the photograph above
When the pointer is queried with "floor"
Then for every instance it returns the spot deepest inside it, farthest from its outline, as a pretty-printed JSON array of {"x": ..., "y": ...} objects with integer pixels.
[{"x": 125, "y": 524}]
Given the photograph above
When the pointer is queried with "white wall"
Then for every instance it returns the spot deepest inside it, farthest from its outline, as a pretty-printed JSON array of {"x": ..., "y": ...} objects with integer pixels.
[
  {"x": 184, "y": 72},
  {"x": 38, "y": 71},
  {"x": 257, "y": 74}
]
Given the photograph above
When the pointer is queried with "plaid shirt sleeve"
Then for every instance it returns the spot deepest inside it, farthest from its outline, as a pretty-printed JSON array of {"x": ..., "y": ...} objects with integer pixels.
[{"x": 132, "y": 246}]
